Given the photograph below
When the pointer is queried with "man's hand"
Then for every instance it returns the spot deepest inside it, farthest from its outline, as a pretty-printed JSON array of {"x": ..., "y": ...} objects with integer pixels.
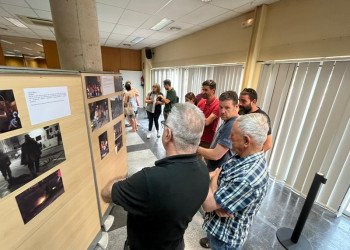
[
  {"x": 223, "y": 213},
  {"x": 106, "y": 192}
]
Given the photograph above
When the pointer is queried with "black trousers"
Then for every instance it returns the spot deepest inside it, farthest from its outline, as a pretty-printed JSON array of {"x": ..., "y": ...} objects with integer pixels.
[{"x": 153, "y": 117}]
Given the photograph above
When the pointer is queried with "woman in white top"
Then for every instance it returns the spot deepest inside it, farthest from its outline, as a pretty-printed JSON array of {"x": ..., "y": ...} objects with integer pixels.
[
  {"x": 130, "y": 97},
  {"x": 153, "y": 108}
]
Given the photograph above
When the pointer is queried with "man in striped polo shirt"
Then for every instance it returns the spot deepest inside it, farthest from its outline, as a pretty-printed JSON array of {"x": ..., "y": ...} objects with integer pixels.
[{"x": 238, "y": 188}]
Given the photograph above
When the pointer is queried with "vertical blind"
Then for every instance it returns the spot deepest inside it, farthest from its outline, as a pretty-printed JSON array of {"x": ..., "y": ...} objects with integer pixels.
[
  {"x": 309, "y": 107},
  {"x": 190, "y": 79}
]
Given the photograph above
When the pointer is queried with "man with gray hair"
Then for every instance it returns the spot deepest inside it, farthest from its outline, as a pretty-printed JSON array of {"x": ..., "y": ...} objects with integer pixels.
[
  {"x": 237, "y": 189},
  {"x": 162, "y": 200}
]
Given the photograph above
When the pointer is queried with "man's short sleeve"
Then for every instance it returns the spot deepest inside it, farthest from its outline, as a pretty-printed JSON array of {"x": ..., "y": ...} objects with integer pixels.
[
  {"x": 132, "y": 194},
  {"x": 216, "y": 109},
  {"x": 172, "y": 96},
  {"x": 224, "y": 140},
  {"x": 234, "y": 197}
]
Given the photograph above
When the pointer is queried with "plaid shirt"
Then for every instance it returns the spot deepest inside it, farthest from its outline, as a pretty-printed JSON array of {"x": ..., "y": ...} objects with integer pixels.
[{"x": 242, "y": 186}]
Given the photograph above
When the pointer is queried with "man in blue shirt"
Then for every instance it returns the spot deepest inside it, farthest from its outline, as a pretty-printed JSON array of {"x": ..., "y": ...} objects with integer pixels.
[
  {"x": 238, "y": 188},
  {"x": 220, "y": 148}
]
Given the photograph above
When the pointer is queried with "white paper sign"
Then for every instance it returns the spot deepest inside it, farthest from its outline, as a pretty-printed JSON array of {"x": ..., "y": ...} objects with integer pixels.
[
  {"x": 46, "y": 104},
  {"x": 108, "y": 85}
]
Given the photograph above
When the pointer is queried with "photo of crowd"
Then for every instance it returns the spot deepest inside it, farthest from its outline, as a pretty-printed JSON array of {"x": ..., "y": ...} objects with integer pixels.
[
  {"x": 26, "y": 156},
  {"x": 117, "y": 130},
  {"x": 118, "y": 143},
  {"x": 99, "y": 114},
  {"x": 9, "y": 119},
  {"x": 118, "y": 83},
  {"x": 117, "y": 106},
  {"x": 36, "y": 198},
  {"x": 103, "y": 142},
  {"x": 93, "y": 86}
]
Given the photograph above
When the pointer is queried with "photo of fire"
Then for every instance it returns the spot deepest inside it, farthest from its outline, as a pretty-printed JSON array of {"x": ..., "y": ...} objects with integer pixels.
[
  {"x": 36, "y": 198},
  {"x": 9, "y": 119}
]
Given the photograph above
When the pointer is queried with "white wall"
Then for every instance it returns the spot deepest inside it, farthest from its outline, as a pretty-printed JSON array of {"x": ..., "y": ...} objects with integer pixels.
[{"x": 135, "y": 78}]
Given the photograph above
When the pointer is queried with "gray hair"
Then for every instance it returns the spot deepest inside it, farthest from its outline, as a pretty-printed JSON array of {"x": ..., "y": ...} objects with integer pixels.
[
  {"x": 254, "y": 125},
  {"x": 186, "y": 122}
]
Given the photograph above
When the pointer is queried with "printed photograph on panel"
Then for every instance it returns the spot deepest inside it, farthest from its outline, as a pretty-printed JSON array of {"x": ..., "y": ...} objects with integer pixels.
[
  {"x": 118, "y": 83},
  {"x": 36, "y": 198},
  {"x": 117, "y": 130},
  {"x": 99, "y": 114},
  {"x": 93, "y": 86},
  {"x": 118, "y": 143},
  {"x": 9, "y": 118},
  {"x": 117, "y": 106},
  {"x": 26, "y": 156},
  {"x": 103, "y": 142}
]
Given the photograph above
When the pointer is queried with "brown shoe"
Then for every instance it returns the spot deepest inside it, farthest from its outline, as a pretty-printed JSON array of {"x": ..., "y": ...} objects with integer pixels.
[{"x": 204, "y": 242}]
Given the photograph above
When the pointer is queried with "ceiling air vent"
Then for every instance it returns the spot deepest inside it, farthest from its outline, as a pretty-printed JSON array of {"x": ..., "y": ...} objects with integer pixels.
[{"x": 36, "y": 21}]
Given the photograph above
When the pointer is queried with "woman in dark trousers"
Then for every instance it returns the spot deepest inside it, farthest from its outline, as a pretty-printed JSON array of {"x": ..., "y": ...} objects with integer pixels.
[{"x": 153, "y": 108}]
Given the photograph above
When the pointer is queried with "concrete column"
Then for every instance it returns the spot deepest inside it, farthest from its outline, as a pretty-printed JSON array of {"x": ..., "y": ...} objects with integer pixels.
[
  {"x": 254, "y": 47},
  {"x": 77, "y": 35}
]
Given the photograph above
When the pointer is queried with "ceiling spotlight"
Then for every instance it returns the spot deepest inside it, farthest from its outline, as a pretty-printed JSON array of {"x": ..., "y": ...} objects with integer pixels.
[
  {"x": 127, "y": 44},
  {"x": 247, "y": 23},
  {"x": 175, "y": 28}
]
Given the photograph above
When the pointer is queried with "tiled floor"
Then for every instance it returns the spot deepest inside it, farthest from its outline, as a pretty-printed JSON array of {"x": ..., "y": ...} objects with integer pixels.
[{"x": 280, "y": 208}]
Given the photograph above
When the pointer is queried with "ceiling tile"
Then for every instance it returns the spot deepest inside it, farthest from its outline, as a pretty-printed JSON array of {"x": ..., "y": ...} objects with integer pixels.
[
  {"x": 117, "y": 3},
  {"x": 129, "y": 39},
  {"x": 229, "y": 4},
  {"x": 245, "y": 8},
  {"x": 123, "y": 29},
  {"x": 159, "y": 35},
  {"x": 107, "y": 13},
  {"x": 178, "y": 24},
  {"x": 149, "y": 6},
  {"x": 7, "y": 32},
  {"x": 113, "y": 43},
  {"x": 104, "y": 34},
  {"x": 178, "y": 8},
  {"x": 143, "y": 33},
  {"x": 133, "y": 18},
  {"x": 105, "y": 26},
  {"x": 21, "y": 3},
  {"x": 39, "y": 4},
  {"x": 43, "y": 14},
  {"x": 117, "y": 37},
  {"x": 221, "y": 18},
  {"x": 16, "y": 10},
  {"x": 102, "y": 41},
  {"x": 203, "y": 14},
  {"x": 149, "y": 40},
  {"x": 44, "y": 34},
  {"x": 38, "y": 27},
  {"x": 4, "y": 13},
  {"x": 153, "y": 20}
]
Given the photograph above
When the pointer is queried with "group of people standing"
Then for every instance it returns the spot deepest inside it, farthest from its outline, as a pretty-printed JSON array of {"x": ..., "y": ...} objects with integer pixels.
[{"x": 229, "y": 185}]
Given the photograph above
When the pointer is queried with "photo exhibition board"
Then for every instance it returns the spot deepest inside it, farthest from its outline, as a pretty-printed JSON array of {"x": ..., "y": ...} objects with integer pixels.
[
  {"x": 104, "y": 112},
  {"x": 48, "y": 187}
]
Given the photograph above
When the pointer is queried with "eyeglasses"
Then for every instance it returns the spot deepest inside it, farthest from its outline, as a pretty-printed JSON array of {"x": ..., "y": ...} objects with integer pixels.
[{"x": 163, "y": 124}]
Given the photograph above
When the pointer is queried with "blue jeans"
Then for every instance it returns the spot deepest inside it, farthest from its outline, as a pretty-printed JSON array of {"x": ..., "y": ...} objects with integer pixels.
[{"x": 216, "y": 244}]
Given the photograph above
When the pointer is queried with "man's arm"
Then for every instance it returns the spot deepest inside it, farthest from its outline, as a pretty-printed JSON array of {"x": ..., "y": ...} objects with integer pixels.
[
  {"x": 268, "y": 143},
  {"x": 210, "y": 202},
  {"x": 213, "y": 154},
  {"x": 209, "y": 120},
  {"x": 106, "y": 192}
]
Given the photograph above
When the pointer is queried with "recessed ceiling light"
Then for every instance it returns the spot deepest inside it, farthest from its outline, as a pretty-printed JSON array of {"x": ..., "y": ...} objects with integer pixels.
[
  {"x": 15, "y": 22},
  {"x": 39, "y": 44},
  {"x": 206, "y": 1},
  {"x": 27, "y": 48},
  {"x": 127, "y": 44},
  {"x": 164, "y": 22},
  {"x": 137, "y": 40},
  {"x": 6, "y": 41},
  {"x": 9, "y": 52}
]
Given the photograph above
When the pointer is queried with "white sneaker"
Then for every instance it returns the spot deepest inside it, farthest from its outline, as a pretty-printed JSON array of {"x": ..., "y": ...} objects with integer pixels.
[
  {"x": 158, "y": 134},
  {"x": 149, "y": 134}
]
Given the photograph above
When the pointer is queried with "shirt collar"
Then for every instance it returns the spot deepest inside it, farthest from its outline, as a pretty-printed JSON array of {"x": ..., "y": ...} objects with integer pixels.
[{"x": 177, "y": 158}]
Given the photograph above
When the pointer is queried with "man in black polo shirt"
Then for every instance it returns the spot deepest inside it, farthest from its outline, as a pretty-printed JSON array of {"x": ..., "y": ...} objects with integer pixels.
[
  {"x": 162, "y": 200},
  {"x": 247, "y": 105}
]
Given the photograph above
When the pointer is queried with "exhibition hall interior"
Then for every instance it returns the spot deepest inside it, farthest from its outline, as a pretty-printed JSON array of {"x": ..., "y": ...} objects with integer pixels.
[{"x": 102, "y": 105}]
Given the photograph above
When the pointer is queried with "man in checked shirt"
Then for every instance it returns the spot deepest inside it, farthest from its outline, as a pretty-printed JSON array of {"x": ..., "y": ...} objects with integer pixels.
[{"x": 238, "y": 188}]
